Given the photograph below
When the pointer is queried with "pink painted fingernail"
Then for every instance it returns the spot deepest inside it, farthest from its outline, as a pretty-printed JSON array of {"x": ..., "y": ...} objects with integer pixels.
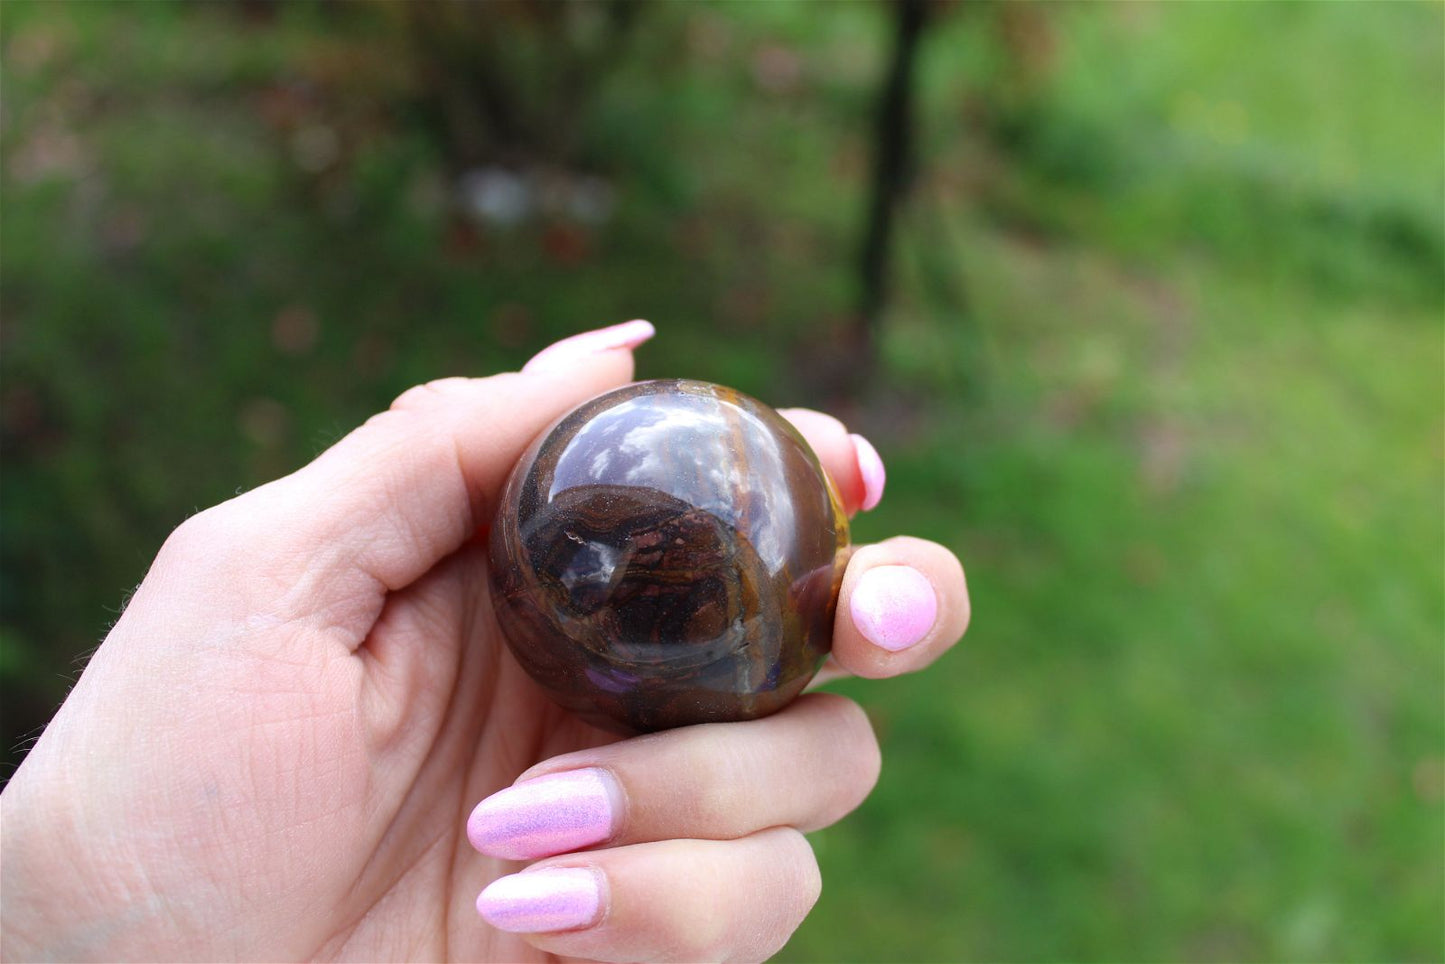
[
  {"x": 566, "y": 353},
  {"x": 870, "y": 466},
  {"x": 537, "y": 901},
  {"x": 546, "y": 815},
  {"x": 894, "y": 606}
]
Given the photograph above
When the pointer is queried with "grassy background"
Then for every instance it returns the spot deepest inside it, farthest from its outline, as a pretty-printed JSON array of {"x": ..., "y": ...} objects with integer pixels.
[{"x": 1164, "y": 366}]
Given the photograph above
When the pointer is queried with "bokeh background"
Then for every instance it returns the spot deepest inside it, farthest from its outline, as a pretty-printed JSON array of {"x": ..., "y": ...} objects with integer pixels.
[{"x": 1141, "y": 302}]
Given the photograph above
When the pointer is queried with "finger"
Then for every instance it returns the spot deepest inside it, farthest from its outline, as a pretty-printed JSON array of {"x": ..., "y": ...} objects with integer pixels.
[
  {"x": 674, "y": 900},
  {"x": 412, "y": 484},
  {"x": 805, "y": 767},
  {"x": 902, "y": 604},
  {"x": 850, "y": 460}
]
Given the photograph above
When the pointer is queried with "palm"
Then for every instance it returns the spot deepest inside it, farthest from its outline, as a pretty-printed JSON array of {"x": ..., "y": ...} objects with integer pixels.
[
  {"x": 301, "y": 789},
  {"x": 450, "y": 718}
]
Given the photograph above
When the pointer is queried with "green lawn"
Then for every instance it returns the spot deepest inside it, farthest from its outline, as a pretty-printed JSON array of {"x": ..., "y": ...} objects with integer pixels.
[{"x": 1164, "y": 366}]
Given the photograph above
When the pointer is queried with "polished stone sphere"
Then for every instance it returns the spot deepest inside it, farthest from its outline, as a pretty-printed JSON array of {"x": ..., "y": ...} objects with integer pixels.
[{"x": 669, "y": 553}]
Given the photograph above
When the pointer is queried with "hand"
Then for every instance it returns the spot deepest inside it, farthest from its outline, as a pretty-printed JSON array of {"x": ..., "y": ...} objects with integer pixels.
[{"x": 274, "y": 753}]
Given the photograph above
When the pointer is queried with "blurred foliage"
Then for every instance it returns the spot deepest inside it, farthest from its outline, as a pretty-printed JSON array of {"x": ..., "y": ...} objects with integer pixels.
[{"x": 1163, "y": 365}]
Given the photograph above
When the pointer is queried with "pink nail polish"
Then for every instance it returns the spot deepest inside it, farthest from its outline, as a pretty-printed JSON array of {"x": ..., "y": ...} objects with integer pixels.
[
  {"x": 870, "y": 466},
  {"x": 567, "y": 352},
  {"x": 538, "y": 901},
  {"x": 894, "y": 606},
  {"x": 546, "y": 815}
]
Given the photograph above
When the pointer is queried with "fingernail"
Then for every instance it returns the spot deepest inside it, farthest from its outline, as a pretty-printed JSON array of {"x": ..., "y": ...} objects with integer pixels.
[
  {"x": 546, "y": 815},
  {"x": 870, "y": 466},
  {"x": 537, "y": 901},
  {"x": 894, "y": 606},
  {"x": 565, "y": 353}
]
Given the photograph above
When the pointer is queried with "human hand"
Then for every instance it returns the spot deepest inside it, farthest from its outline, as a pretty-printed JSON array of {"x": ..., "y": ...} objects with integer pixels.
[{"x": 274, "y": 753}]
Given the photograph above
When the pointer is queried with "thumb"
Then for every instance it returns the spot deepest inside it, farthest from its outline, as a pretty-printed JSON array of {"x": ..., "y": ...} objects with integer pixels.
[{"x": 410, "y": 486}]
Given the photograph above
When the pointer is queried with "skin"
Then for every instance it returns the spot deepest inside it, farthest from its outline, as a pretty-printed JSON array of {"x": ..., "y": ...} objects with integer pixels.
[{"x": 274, "y": 753}]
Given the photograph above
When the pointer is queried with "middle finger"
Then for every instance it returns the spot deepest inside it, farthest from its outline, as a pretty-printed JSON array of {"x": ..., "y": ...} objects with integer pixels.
[{"x": 804, "y": 767}]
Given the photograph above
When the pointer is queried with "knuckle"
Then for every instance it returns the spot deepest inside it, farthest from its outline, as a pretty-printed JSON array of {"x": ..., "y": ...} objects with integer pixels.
[
  {"x": 784, "y": 873},
  {"x": 807, "y": 878},
  {"x": 714, "y": 802},
  {"x": 857, "y": 757},
  {"x": 867, "y": 760},
  {"x": 811, "y": 886},
  {"x": 229, "y": 534},
  {"x": 705, "y": 937},
  {"x": 198, "y": 537},
  {"x": 428, "y": 394},
  {"x": 852, "y": 729}
]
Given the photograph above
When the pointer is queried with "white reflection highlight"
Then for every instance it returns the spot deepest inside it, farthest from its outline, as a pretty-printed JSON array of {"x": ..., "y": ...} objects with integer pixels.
[{"x": 700, "y": 449}]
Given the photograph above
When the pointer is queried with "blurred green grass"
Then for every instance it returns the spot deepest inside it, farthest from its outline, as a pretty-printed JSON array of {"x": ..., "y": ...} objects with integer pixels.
[{"x": 1164, "y": 367}]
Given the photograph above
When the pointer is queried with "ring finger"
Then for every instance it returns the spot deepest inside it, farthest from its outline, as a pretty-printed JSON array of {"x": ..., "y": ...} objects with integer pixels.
[{"x": 684, "y": 900}]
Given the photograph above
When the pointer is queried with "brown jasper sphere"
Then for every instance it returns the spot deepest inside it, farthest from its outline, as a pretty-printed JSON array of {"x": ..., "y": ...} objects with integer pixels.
[{"x": 669, "y": 553}]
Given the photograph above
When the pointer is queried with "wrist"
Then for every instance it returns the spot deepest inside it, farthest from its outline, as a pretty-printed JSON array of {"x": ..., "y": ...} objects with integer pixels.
[{"x": 65, "y": 897}]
